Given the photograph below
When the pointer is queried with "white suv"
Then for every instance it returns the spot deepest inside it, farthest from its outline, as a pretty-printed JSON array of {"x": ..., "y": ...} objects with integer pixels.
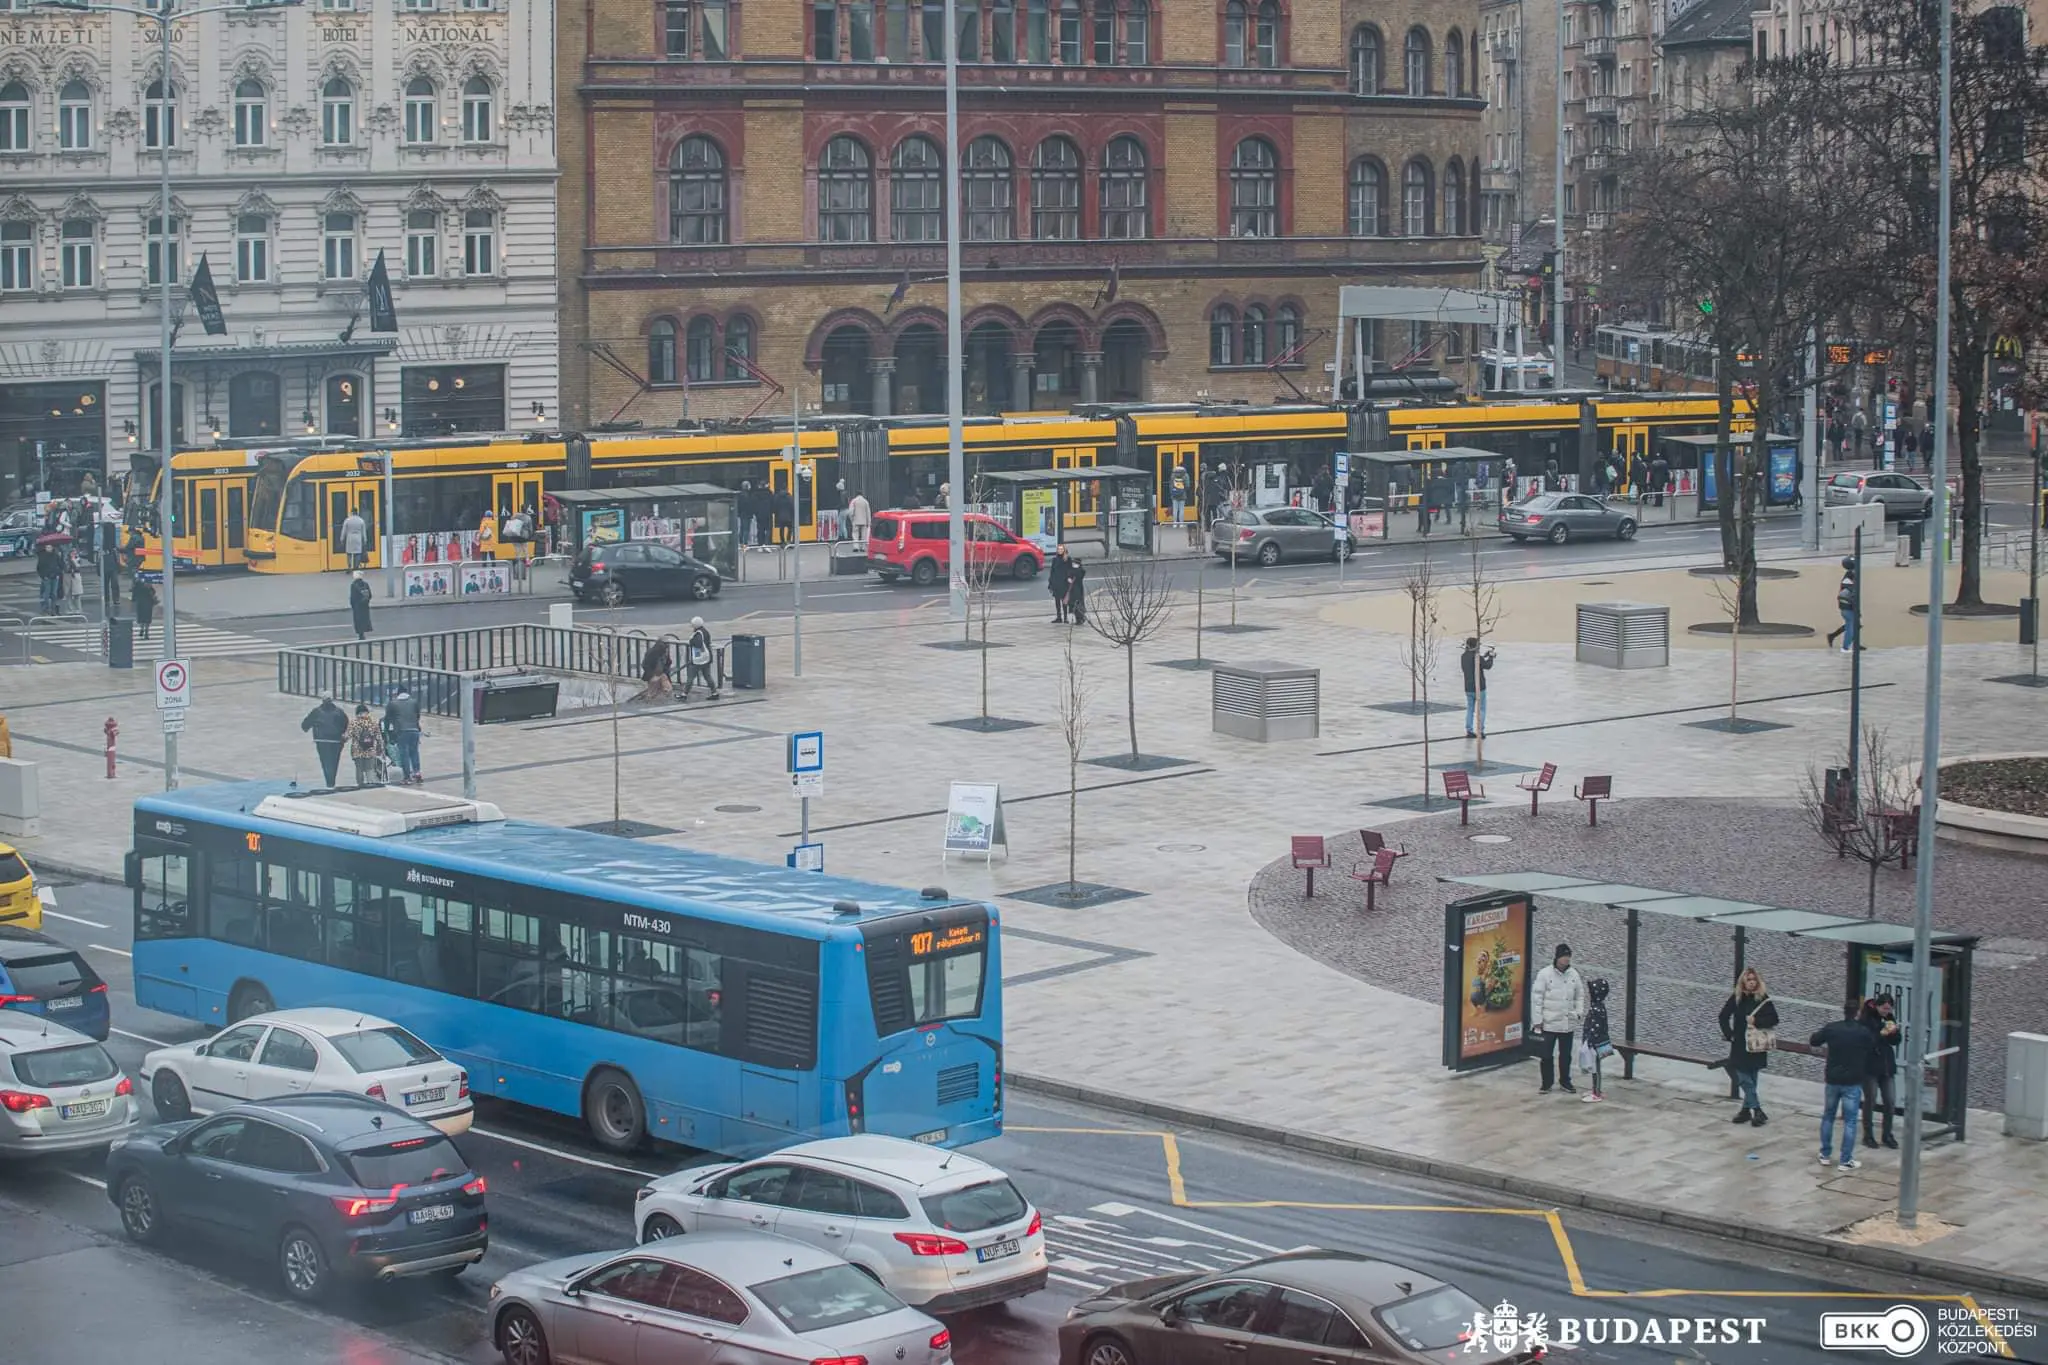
[{"x": 940, "y": 1230}]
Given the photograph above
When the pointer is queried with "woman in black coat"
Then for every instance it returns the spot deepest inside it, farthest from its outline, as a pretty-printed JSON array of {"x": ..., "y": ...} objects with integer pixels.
[
  {"x": 1747, "y": 1019},
  {"x": 1077, "y": 593},
  {"x": 359, "y": 604}
]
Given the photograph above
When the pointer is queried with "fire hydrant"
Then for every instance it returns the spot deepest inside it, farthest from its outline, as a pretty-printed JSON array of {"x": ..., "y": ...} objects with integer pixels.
[{"x": 113, "y": 729}]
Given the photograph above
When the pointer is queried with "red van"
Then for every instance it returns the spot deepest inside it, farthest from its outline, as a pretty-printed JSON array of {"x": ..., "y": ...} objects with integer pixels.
[{"x": 914, "y": 544}]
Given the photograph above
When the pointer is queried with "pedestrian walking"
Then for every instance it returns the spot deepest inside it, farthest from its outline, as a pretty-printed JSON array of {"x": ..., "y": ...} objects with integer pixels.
[
  {"x": 1558, "y": 1005},
  {"x": 1178, "y": 484},
  {"x": 328, "y": 725},
  {"x": 1849, "y": 1047},
  {"x": 366, "y": 746},
  {"x": 143, "y": 593},
  {"x": 1879, "y": 1087},
  {"x": 355, "y": 539},
  {"x": 1077, "y": 593},
  {"x": 402, "y": 733},
  {"x": 1859, "y": 430},
  {"x": 1596, "y": 1044},
  {"x": 698, "y": 654},
  {"x": 1553, "y": 481},
  {"x": 657, "y": 666},
  {"x": 359, "y": 604},
  {"x": 1660, "y": 479},
  {"x": 1749, "y": 1022},
  {"x": 1475, "y": 666},
  {"x": 49, "y": 578},
  {"x": 1848, "y": 597},
  {"x": 1056, "y": 576},
  {"x": 859, "y": 516},
  {"x": 1798, "y": 479}
]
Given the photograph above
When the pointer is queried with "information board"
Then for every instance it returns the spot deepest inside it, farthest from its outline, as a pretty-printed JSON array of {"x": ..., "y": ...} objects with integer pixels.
[{"x": 974, "y": 819}]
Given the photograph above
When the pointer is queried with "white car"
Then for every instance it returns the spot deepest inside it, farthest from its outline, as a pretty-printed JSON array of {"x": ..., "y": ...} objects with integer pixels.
[
  {"x": 289, "y": 1052},
  {"x": 939, "y": 1229}
]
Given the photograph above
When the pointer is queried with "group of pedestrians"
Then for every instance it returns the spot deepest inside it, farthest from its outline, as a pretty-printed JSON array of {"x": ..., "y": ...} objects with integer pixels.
[
  {"x": 1569, "y": 1016},
  {"x": 658, "y": 665},
  {"x": 1066, "y": 579},
  {"x": 372, "y": 742}
]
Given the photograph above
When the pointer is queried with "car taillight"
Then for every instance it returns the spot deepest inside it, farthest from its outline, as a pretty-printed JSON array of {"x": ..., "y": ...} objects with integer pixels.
[
  {"x": 1532, "y": 518},
  {"x": 1244, "y": 533},
  {"x": 100, "y": 989},
  {"x": 931, "y": 1244},
  {"x": 126, "y": 1087},
  {"x": 362, "y": 1205},
  {"x": 1037, "y": 1224},
  {"x": 20, "y": 1102},
  {"x": 375, "y": 1092},
  {"x": 941, "y": 1339},
  {"x": 476, "y": 1186},
  {"x": 597, "y": 567},
  {"x": 17, "y": 1000},
  {"x": 462, "y": 1087}
]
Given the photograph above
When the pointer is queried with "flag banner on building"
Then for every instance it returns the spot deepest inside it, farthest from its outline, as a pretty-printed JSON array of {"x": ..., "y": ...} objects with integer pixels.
[
  {"x": 1107, "y": 294},
  {"x": 383, "y": 314},
  {"x": 206, "y": 301}
]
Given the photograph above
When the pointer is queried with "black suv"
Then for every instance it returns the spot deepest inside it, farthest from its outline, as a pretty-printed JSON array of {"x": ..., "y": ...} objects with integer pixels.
[{"x": 331, "y": 1186}]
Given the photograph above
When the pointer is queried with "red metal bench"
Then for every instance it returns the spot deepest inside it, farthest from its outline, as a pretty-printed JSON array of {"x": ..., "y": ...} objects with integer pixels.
[
  {"x": 1381, "y": 873},
  {"x": 1376, "y": 843},
  {"x": 1458, "y": 787},
  {"x": 1592, "y": 791},
  {"x": 1309, "y": 854},
  {"x": 1538, "y": 784},
  {"x": 1902, "y": 834}
]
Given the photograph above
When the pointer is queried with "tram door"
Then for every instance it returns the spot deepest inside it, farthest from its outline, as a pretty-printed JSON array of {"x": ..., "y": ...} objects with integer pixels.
[
  {"x": 1630, "y": 445},
  {"x": 1083, "y": 498},
  {"x": 1426, "y": 440},
  {"x": 363, "y": 496},
  {"x": 1188, "y": 457},
  {"x": 513, "y": 491},
  {"x": 218, "y": 521},
  {"x": 781, "y": 479}
]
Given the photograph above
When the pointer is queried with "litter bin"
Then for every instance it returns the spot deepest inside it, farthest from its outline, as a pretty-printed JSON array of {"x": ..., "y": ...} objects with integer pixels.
[
  {"x": 1916, "y": 537},
  {"x": 750, "y": 662},
  {"x": 120, "y": 642},
  {"x": 2030, "y": 619}
]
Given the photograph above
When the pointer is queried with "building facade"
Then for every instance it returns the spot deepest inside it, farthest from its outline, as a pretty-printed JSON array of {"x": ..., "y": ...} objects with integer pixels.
[
  {"x": 303, "y": 142},
  {"x": 1518, "y": 68},
  {"x": 1159, "y": 201},
  {"x": 1613, "y": 71}
]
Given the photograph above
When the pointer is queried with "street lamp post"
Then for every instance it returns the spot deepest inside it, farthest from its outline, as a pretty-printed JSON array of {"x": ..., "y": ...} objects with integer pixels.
[
  {"x": 163, "y": 14},
  {"x": 956, "y": 460},
  {"x": 1557, "y": 220}
]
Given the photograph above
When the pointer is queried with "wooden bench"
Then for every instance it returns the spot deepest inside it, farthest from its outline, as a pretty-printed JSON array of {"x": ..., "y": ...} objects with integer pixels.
[
  {"x": 1592, "y": 791},
  {"x": 1381, "y": 873},
  {"x": 1538, "y": 784},
  {"x": 1310, "y": 854},
  {"x": 1458, "y": 787}
]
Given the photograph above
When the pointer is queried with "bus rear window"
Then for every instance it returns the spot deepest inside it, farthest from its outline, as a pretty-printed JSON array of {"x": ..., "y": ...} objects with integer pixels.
[{"x": 927, "y": 975}]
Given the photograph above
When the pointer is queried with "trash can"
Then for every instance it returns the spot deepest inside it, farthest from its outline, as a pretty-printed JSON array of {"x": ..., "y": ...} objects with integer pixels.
[
  {"x": 750, "y": 662},
  {"x": 2030, "y": 618},
  {"x": 1916, "y": 537},
  {"x": 120, "y": 642}
]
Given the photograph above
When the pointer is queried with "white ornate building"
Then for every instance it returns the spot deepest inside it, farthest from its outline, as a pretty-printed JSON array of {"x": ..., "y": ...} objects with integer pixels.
[{"x": 303, "y": 142}]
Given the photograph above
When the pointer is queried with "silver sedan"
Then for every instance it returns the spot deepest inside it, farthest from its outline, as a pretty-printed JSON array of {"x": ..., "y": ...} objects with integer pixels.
[
  {"x": 705, "y": 1298},
  {"x": 1558, "y": 517}
]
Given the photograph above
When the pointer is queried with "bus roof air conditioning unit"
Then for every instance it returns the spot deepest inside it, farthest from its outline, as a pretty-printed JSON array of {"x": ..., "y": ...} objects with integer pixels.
[{"x": 376, "y": 812}]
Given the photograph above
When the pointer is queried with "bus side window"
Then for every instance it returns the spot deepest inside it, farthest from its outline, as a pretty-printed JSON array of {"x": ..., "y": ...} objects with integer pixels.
[
  {"x": 291, "y": 911},
  {"x": 163, "y": 909},
  {"x": 508, "y": 958},
  {"x": 355, "y": 927},
  {"x": 232, "y": 915}
]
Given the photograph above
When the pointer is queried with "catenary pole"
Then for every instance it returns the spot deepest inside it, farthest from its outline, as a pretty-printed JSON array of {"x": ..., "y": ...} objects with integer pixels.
[
  {"x": 1557, "y": 218},
  {"x": 956, "y": 459},
  {"x": 166, "y": 131}
]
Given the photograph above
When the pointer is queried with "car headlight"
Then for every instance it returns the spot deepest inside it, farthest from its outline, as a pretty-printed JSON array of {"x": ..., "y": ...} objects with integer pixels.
[{"x": 496, "y": 1290}]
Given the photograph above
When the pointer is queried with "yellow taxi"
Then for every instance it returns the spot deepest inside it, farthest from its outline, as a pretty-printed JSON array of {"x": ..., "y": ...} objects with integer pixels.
[{"x": 19, "y": 904}]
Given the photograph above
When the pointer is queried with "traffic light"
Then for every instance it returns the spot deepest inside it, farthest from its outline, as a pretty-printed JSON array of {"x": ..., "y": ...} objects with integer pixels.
[{"x": 1706, "y": 307}]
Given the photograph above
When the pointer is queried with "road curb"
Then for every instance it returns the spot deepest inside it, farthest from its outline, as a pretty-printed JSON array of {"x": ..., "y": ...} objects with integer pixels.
[
  {"x": 76, "y": 871},
  {"x": 1977, "y": 1279}
]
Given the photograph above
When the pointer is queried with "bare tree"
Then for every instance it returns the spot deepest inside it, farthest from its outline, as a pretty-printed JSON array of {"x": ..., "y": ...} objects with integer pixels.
[
  {"x": 1234, "y": 492},
  {"x": 1484, "y": 595},
  {"x": 1425, "y": 638},
  {"x": 1131, "y": 607},
  {"x": 1729, "y": 593},
  {"x": 1076, "y": 692},
  {"x": 1871, "y": 820},
  {"x": 981, "y": 605}
]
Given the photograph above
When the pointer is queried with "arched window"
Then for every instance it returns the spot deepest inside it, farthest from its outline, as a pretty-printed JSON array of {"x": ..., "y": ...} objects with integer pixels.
[
  {"x": 14, "y": 117},
  {"x": 1255, "y": 189},
  {"x": 1366, "y": 60},
  {"x": 1222, "y": 335},
  {"x": 159, "y": 115},
  {"x": 1415, "y": 63},
  {"x": 1253, "y": 332},
  {"x": 917, "y": 191},
  {"x": 698, "y": 347},
  {"x": 990, "y": 192},
  {"x": 739, "y": 347},
  {"x": 1368, "y": 198},
  {"x": 1236, "y": 35},
  {"x": 74, "y": 117},
  {"x": 1266, "y": 35},
  {"x": 478, "y": 115},
  {"x": 338, "y": 112},
  {"x": 1286, "y": 333},
  {"x": 1454, "y": 199},
  {"x": 1126, "y": 193},
  {"x": 661, "y": 352},
  {"x": 1056, "y": 190},
  {"x": 846, "y": 192},
  {"x": 696, "y": 192},
  {"x": 422, "y": 111},
  {"x": 1415, "y": 190},
  {"x": 1454, "y": 63},
  {"x": 252, "y": 113}
]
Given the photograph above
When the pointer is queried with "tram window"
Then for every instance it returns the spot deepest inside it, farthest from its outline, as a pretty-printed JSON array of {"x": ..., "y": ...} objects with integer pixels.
[{"x": 300, "y": 519}]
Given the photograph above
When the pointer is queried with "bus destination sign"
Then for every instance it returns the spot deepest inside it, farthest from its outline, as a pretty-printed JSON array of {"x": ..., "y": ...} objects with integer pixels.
[{"x": 925, "y": 942}]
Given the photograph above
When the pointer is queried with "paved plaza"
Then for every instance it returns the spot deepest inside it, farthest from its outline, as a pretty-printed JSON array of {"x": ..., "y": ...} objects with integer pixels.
[{"x": 1180, "y": 995}]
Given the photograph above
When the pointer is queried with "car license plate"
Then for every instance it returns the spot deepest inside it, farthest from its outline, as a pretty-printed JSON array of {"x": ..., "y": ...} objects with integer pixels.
[
  {"x": 438, "y": 1093},
  {"x": 66, "y": 1002},
  {"x": 433, "y": 1213},
  {"x": 84, "y": 1109},
  {"x": 934, "y": 1136},
  {"x": 995, "y": 1251}
]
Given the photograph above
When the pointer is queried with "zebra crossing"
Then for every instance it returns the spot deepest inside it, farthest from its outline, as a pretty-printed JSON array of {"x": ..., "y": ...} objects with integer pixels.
[
  {"x": 1118, "y": 1242},
  {"x": 195, "y": 641}
]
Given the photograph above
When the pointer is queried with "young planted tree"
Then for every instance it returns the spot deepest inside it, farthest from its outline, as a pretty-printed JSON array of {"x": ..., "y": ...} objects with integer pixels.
[
  {"x": 1425, "y": 638},
  {"x": 1484, "y": 596},
  {"x": 1130, "y": 607},
  {"x": 1730, "y": 595},
  {"x": 1872, "y": 819},
  {"x": 981, "y": 605},
  {"x": 1076, "y": 692}
]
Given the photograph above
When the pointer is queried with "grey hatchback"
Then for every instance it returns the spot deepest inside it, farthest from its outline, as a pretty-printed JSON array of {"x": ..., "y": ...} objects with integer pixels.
[
  {"x": 1267, "y": 535},
  {"x": 1904, "y": 498},
  {"x": 1557, "y": 517}
]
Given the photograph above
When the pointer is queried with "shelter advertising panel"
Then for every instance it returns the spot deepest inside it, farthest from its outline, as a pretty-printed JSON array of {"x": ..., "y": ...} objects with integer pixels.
[
  {"x": 1890, "y": 972},
  {"x": 1038, "y": 519},
  {"x": 1486, "y": 980}
]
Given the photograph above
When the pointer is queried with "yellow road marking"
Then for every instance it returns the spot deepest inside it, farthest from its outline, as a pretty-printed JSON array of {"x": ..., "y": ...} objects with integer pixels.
[{"x": 1176, "y": 1185}]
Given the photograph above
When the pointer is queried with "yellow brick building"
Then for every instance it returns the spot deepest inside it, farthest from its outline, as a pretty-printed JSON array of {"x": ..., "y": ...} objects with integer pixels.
[{"x": 1159, "y": 198}]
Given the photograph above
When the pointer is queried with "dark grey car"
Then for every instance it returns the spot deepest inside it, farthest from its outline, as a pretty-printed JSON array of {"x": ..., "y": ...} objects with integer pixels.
[
  {"x": 1558, "y": 517},
  {"x": 1267, "y": 535}
]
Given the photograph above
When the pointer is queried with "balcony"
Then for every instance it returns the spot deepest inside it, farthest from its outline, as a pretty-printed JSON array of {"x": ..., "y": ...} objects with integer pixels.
[
  {"x": 1600, "y": 46},
  {"x": 1603, "y": 106},
  {"x": 1600, "y": 158},
  {"x": 1599, "y": 220}
]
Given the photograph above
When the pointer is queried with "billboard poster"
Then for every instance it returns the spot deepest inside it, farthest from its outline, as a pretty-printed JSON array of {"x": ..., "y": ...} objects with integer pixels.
[
  {"x": 1486, "y": 980},
  {"x": 1039, "y": 517},
  {"x": 1890, "y": 972},
  {"x": 1782, "y": 488},
  {"x": 603, "y": 525}
]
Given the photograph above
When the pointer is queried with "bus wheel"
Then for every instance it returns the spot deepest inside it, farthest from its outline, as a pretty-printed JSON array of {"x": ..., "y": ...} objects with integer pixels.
[
  {"x": 613, "y": 1110},
  {"x": 247, "y": 998}
]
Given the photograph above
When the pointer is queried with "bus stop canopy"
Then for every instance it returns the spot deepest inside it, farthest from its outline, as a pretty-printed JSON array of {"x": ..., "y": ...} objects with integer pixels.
[
  {"x": 1079, "y": 474},
  {"x": 1412, "y": 459},
  {"x": 659, "y": 492}
]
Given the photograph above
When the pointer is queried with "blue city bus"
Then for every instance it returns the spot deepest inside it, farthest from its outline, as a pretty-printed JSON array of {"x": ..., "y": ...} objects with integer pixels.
[{"x": 649, "y": 990}]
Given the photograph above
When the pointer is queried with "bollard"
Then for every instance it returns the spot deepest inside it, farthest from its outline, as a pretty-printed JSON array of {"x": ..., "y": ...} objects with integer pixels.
[{"x": 113, "y": 729}]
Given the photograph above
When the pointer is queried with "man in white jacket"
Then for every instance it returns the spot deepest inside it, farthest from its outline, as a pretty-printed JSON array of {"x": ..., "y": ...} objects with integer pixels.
[{"x": 1557, "y": 1005}]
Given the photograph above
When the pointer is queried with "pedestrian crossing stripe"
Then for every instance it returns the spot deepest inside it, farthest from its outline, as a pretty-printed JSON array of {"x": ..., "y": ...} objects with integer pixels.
[{"x": 194, "y": 641}]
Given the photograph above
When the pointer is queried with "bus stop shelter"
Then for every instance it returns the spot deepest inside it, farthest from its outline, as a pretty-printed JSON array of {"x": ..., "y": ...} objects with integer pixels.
[
  {"x": 699, "y": 519},
  {"x": 1399, "y": 477},
  {"x": 1877, "y": 960},
  {"x": 1693, "y": 468},
  {"x": 1108, "y": 503}
]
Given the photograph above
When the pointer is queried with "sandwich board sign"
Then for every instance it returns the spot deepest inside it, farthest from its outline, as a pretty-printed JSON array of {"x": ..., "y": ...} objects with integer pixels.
[{"x": 974, "y": 820}]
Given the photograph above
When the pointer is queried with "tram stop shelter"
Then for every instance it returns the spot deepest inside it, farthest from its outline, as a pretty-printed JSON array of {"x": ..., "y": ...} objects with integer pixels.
[
  {"x": 699, "y": 519},
  {"x": 1111, "y": 504},
  {"x": 1877, "y": 959},
  {"x": 1399, "y": 476}
]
